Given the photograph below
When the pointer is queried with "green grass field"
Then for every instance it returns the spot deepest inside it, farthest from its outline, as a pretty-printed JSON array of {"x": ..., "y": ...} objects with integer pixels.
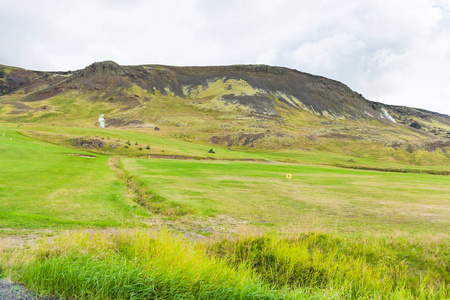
[
  {"x": 168, "y": 142},
  {"x": 327, "y": 233},
  {"x": 40, "y": 187},
  {"x": 316, "y": 197}
]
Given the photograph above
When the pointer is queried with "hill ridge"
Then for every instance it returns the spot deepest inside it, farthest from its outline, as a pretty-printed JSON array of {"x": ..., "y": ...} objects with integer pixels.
[{"x": 164, "y": 95}]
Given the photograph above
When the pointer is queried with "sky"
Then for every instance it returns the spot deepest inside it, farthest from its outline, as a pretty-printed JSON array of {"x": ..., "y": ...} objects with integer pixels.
[{"x": 391, "y": 51}]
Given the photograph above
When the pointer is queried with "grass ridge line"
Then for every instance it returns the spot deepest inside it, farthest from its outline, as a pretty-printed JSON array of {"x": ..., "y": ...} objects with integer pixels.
[
  {"x": 290, "y": 161},
  {"x": 394, "y": 170}
]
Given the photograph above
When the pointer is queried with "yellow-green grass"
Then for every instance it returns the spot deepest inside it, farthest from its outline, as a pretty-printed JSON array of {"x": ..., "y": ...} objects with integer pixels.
[
  {"x": 316, "y": 197},
  {"x": 148, "y": 265},
  {"x": 65, "y": 109},
  {"x": 40, "y": 187},
  {"x": 165, "y": 142}
]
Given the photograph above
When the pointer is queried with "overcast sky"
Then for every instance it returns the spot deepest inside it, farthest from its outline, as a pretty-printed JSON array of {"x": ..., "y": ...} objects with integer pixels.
[{"x": 391, "y": 51}]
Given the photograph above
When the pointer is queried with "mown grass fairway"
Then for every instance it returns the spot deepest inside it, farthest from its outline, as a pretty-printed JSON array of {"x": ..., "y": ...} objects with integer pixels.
[
  {"x": 316, "y": 197},
  {"x": 40, "y": 187}
]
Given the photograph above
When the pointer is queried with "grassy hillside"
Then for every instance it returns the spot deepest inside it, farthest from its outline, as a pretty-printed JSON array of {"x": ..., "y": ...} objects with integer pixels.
[
  {"x": 354, "y": 154},
  {"x": 259, "y": 107}
]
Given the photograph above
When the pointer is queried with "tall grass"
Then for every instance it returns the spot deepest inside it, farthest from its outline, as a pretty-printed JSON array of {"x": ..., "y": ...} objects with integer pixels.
[
  {"x": 351, "y": 268},
  {"x": 143, "y": 265},
  {"x": 138, "y": 266}
]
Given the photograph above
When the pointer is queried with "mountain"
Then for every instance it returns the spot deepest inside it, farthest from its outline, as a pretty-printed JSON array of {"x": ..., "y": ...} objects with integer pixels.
[{"x": 240, "y": 105}]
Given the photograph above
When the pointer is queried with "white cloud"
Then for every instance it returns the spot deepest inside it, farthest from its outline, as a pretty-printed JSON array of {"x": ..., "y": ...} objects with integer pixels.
[
  {"x": 333, "y": 53},
  {"x": 268, "y": 57},
  {"x": 391, "y": 51}
]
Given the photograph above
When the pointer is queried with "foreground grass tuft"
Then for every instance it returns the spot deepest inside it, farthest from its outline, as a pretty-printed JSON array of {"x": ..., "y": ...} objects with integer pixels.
[
  {"x": 353, "y": 268},
  {"x": 145, "y": 265},
  {"x": 137, "y": 266}
]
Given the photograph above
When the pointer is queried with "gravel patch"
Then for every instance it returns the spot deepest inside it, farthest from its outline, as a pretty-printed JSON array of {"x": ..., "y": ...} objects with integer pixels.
[{"x": 13, "y": 291}]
